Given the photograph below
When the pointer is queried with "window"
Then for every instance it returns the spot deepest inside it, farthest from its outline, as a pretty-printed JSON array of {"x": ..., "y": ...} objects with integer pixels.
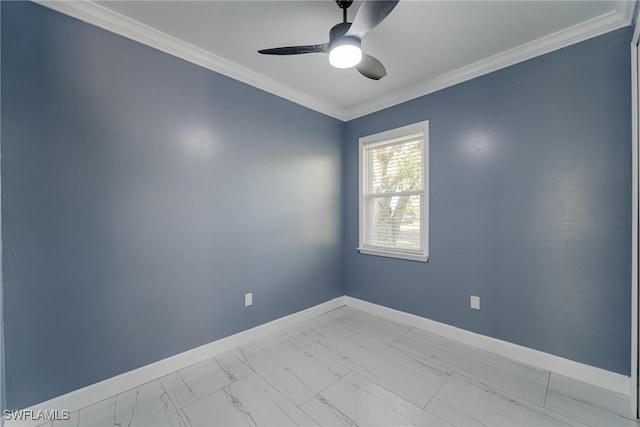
[{"x": 394, "y": 197}]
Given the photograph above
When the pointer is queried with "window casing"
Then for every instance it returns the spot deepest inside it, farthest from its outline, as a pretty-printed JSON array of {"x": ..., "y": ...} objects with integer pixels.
[{"x": 394, "y": 196}]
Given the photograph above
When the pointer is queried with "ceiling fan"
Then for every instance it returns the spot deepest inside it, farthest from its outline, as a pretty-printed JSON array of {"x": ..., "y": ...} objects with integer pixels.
[{"x": 345, "y": 39}]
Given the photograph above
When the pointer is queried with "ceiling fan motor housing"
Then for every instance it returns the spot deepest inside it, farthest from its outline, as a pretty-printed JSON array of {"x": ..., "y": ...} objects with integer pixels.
[
  {"x": 336, "y": 36},
  {"x": 338, "y": 31}
]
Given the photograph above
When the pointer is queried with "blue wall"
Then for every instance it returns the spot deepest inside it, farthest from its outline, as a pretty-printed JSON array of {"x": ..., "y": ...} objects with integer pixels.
[
  {"x": 142, "y": 197},
  {"x": 530, "y": 205}
]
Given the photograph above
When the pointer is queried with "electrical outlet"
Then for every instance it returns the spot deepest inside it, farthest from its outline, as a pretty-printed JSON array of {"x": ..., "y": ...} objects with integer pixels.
[
  {"x": 248, "y": 299},
  {"x": 475, "y": 302}
]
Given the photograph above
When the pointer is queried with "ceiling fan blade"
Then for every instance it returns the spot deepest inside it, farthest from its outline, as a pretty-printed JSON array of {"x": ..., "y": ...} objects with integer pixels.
[
  {"x": 370, "y": 14},
  {"x": 296, "y": 50},
  {"x": 372, "y": 68}
]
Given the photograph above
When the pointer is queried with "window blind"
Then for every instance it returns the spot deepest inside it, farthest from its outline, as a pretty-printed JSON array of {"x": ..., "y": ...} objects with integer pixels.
[{"x": 393, "y": 181}]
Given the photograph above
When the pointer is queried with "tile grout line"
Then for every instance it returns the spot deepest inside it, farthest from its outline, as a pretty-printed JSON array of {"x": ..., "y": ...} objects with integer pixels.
[
  {"x": 326, "y": 336},
  {"x": 178, "y": 410},
  {"x": 544, "y": 403},
  {"x": 437, "y": 391},
  {"x": 316, "y": 395},
  {"x": 140, "y": 385},
  {"x": 276, "y": 388},
  {"x": 401, "y": 336},
  {"x": 204, "y": 396}
]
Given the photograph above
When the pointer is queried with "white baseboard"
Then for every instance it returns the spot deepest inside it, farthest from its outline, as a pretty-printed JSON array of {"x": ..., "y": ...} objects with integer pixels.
[
  {"x": 90, "y": 394},
  {"x": 599, "y": 377}
]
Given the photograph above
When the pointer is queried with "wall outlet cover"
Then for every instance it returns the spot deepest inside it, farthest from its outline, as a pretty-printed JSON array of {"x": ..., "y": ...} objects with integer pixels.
[
  {"x": 475, "y": 302},
  {"x": 248, "y": 299}
]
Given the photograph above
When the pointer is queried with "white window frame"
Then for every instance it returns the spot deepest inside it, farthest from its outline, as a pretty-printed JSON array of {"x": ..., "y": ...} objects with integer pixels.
[{"x": 414, "y": 255}]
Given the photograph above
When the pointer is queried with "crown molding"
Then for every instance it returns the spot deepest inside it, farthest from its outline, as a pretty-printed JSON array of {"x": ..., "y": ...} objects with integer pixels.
[
  {"x": 97, "y": 15},
  {"x": 117, "y": 23},
  {"x": 621, "y": 17},
  {"x": 626, "y": 9}
]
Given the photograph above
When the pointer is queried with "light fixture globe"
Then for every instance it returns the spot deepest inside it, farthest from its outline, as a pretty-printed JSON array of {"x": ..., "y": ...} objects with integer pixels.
[{"x": 345, "y": 52}]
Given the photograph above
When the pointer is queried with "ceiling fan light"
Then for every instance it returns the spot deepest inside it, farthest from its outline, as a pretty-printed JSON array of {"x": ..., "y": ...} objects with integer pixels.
[{"x": 345, "y": 55}]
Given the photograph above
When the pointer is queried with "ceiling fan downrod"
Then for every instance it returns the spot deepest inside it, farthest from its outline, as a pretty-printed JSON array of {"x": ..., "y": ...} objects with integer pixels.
[{"x": 344, "y": 5}]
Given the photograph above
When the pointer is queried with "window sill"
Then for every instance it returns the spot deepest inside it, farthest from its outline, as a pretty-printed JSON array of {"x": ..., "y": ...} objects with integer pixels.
[{"x": 391, "y": 254}]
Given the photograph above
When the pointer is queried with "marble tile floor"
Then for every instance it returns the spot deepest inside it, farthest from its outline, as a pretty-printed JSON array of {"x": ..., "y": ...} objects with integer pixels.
[{"x": 350, "y": 368}]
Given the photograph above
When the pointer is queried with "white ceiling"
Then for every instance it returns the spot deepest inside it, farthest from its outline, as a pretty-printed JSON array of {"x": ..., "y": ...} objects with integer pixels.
[{"x": 425, "y": 45}]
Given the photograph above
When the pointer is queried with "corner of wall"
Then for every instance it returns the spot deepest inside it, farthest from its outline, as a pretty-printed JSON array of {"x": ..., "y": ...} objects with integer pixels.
[{"x": 343, "y": 231}]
